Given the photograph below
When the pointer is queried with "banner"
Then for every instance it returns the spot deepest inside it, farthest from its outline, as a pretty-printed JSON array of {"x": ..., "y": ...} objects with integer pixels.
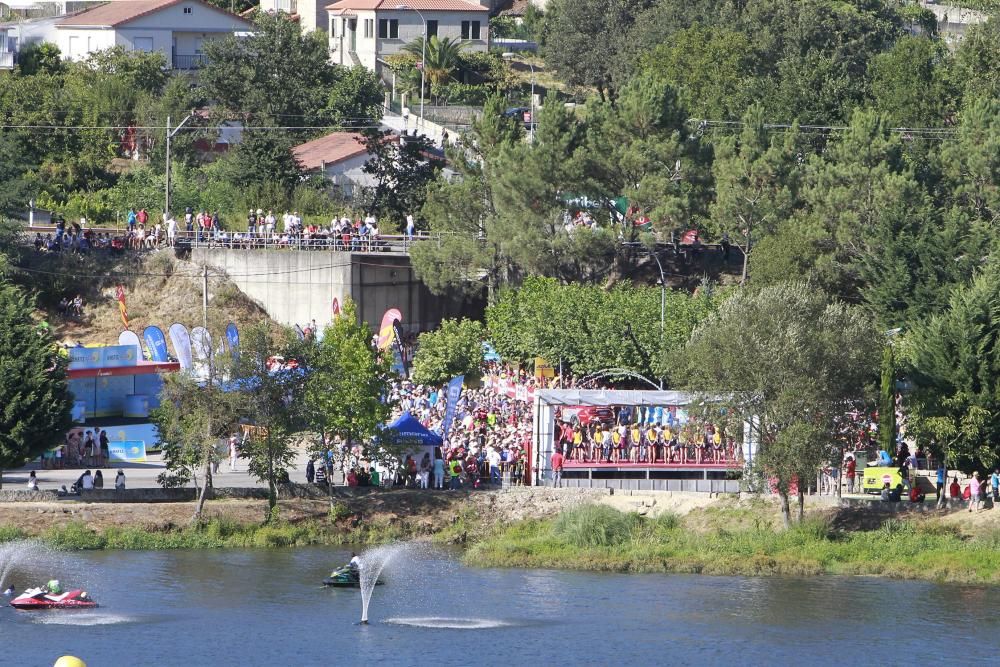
[
  {"x": 181, "y": 339},
  {"x": 131, "y": 338},
  {"x": 156, "y": 344},
  {"x": 233, "y": 339},
  {"x": 201, "y": 346},
  {"x": 120, "y": 295},
  {"x": 454, "y": 391},
  {"x": 127, "y": 451},
  {"x": 544, "y": 369},
  {"x": 387, "y": 331},
  {"x": 111, "y": 356}
]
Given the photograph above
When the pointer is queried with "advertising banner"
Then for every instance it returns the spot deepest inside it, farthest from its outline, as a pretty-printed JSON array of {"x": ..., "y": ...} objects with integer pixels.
[
  {"x": 111, "y": 356},
  {"x": 454, "y": 391},
  {"x": 233, "y": 338},
  {"x": 130, "y": 338},
  {"x": 156, "y": 343},
  {"x": 127, "y": 451},
  {"x": 387, "y": 331},
  {"x": 181, "y": 339}
]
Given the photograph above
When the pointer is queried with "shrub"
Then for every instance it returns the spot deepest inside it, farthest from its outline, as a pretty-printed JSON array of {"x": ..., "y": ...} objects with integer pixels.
[{"x": 595, "y": 526}]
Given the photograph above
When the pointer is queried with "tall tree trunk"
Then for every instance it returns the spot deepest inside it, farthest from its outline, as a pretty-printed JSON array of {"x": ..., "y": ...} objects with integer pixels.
[
  {"x": 802, "y": 503},
  {"x": 785, "y": 512},
  {"x": 203, "y": 496},
  {"x": 272, "y": 491}
]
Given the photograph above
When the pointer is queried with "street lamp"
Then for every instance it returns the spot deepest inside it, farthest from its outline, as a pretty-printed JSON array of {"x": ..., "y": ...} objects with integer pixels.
[
  {"x": 423, "y": 58},
  {"x": 663, "y": 302},
  {"x": 171, "y": 131},
  {"x": 531, "y": 126}
]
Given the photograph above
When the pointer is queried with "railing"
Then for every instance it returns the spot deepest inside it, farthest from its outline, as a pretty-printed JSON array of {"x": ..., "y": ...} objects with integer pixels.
[
  {"x": 6, "y": 60},
  {"x": 396, "y": 243},
  {"x": 195, "y": 61}
]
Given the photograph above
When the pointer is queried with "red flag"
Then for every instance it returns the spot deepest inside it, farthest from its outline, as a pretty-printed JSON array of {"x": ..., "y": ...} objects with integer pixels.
[{"x": 120, "y": 295}]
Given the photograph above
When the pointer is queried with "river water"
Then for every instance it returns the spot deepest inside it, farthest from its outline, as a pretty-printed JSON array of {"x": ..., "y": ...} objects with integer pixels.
[{"x": 267, "y": 608}]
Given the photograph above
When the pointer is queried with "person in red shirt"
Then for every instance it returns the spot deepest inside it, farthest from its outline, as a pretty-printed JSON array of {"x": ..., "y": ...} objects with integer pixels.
[
  {"x": 851, "y": 469},
  {"x": 915, "y": 495},
  {"x": 557, "y": 467},
  {"x": 954, "y": 490}
]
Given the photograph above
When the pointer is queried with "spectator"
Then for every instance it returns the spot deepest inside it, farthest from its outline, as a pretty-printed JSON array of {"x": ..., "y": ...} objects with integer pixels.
[
  {"x": 974, "y": 489},
  {"x": 942, "y": 476},
  {"x": 851, "y": 468},
  {"x": 120, "y": 480},
  {"x": 557, "y": 469}
]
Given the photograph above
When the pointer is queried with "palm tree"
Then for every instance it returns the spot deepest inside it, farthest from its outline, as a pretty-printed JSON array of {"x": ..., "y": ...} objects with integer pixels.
[{"x": 441, "y": 58}]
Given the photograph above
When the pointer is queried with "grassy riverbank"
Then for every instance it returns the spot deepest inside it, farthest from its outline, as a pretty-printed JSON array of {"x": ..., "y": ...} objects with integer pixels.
[{"x": 604, "y": 539}]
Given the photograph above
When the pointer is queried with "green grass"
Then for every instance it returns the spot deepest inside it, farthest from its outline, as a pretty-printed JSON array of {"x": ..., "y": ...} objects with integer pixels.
[
  {"x": 214, "y": 534},
  {"x": 601, "y": 538}
]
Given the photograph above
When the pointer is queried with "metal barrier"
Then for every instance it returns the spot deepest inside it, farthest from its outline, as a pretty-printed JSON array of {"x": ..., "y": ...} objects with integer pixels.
[{"x": 343, "y": 243}]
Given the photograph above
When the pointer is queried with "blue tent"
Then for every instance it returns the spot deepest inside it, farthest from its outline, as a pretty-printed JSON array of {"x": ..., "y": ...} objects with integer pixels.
[{"x": 411, "y": 430}]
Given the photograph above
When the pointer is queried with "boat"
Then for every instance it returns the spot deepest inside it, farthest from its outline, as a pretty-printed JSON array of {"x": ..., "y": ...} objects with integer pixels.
[
  {"x": 39, "y": 598},
  {"x": 346, "y": 577}
]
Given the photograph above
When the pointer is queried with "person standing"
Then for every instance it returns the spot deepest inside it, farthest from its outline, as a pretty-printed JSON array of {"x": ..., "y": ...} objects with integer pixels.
[
  {"x": 411, "y": 226},
  {"x": 974, "y": 490},
  {"x": 557, "y": 469},
  {"x": 105, "y": 449},
  {"x": 995, "y": 483},
  {"x": 310, "y": 471},
  {"x": 32, "y": 481},
  {"x": 942, "y": 476},
  {"x": 234, "y": 452},
  {"x": 851, "y": 468},
  {"x": 438, "y": 469}
]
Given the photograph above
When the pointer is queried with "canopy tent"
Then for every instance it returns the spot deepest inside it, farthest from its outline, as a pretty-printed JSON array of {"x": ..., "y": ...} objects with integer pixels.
[{"x": 411, "y": 431}]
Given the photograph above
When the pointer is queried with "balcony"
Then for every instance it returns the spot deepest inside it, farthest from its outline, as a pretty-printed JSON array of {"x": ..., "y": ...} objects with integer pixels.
[
  {"x": 189, "y": 62},
  {"x": 6, "y": 60}
]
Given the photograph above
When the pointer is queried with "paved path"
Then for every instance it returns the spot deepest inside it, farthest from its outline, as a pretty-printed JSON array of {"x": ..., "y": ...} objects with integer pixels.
[{"x": 140, "y": 475}]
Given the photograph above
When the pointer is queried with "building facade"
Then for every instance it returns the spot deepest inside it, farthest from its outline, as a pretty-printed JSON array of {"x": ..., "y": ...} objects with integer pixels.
[{"x": 364, "y": 32}]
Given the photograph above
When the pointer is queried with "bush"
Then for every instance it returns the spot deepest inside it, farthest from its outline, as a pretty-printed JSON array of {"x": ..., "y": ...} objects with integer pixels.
[{"x": 595, "y": 526}]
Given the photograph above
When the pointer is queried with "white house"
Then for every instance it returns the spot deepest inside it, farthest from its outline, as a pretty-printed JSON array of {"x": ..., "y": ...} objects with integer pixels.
[
  {"x": 363, "y": 32},
  {"x": 176, "y": 28},
  {"x": 311, "y": 14}
]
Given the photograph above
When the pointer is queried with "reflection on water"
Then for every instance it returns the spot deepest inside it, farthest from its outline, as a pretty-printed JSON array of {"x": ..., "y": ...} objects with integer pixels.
[{"x": 264, "y": 607}]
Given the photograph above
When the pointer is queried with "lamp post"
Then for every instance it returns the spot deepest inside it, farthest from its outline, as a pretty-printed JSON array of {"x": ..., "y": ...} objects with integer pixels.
[
  {"x": 663, "y": 302},
  {"x": 423, "y": 58},
  {"x": 171, "y": 131},
  {"x": 531, "y": 126}
]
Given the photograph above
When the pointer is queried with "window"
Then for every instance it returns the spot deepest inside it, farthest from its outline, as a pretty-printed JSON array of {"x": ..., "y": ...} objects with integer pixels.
[
  {"x": 369, "y": 28},
  {"x": 187, "y": 10},
  {"x": 432, "y": 29},
  {"x": 470, "y": 30},
  {"x": 388, "y": 28}
]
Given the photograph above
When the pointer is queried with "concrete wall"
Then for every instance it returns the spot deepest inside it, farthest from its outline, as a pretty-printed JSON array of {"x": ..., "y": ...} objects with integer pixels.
[{"x": 298, "y": 286}]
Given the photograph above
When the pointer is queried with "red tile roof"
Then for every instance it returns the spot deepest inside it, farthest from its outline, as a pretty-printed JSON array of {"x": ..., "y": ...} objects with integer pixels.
[
  {"x": 422, "y": 5},
  {"x": 118, "y": 12},
  {"x": 331, "y": 149}
]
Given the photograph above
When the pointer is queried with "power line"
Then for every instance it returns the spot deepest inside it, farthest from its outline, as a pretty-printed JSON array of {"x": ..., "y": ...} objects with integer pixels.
[{"x": 248, "y": 128}]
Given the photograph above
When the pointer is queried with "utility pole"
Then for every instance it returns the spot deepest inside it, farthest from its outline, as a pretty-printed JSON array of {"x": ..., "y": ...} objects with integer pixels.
[
  {"x": 171, "y": 131},
  {"x": 204, "y": 296}
]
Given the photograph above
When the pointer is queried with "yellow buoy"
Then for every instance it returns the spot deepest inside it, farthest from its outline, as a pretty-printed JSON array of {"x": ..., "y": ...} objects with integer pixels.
[{"x": 69, "y": 661}]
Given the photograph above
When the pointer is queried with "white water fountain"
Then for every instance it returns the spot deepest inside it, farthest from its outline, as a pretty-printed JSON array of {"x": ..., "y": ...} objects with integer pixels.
[
  {"x": 372, "y": 564},
  {"x": 17, "y": 555}
]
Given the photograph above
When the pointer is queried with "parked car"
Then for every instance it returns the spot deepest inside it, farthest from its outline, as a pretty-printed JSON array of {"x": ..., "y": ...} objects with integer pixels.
[{"x": 522, "y": 114}]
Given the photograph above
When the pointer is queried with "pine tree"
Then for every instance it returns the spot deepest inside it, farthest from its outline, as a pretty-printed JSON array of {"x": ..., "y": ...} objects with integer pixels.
[{"x": 34, "y": 399}]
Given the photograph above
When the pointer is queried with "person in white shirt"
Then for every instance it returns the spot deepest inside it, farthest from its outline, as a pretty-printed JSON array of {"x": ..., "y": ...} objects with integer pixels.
[
  {"x": 171, "y": 230},
  {"x": 411, "y": 225},
  {"x": 86, "y": 480}
]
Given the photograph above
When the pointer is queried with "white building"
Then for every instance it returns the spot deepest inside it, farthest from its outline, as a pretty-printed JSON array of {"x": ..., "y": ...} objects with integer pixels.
[
  {"x": 340, "y": 156},
  {"x": 363, "y": 32},
  {"x": 176, "y": 28}
]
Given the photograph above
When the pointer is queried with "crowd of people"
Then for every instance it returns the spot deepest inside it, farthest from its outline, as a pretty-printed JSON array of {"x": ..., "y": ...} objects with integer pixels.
[
  {"x": 646, "y": 437},
  {"x": 80, "y": 449}
]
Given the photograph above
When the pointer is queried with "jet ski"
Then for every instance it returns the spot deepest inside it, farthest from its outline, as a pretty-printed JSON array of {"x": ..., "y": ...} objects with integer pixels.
[
  {"x": 346, "y": 577},
  {"x": 39, "y": 598}
]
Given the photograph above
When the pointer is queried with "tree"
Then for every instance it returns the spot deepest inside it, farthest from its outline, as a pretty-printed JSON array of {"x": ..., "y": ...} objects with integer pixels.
[
  {"x": 887, "y": 402},
  {"x": 712, "y": 68},
  {"x": 401, "y": 168},
  {"x": 788, "y": 359},
  {"x": 455, "y": 348},
  {"x": 589, "y": 42},
  {"x": 441, "y": 57},
  {"x": 953, "y": 361},
  {"x": 275, "y": 74},
  {"x": 39, "y": 57},
  {"x": 757, "y": 180},
  {"x": 271, "y": 403},
  {"x": 910, "y": 83},
  {"x": 462, "y": 211},
  {"x": 33, "y": 391},
  {"x": 16, "y": 191},
  {"x": 346, "y": 385},
  {"x": 356, "y": 98},
  {"x": 192, "y": 421},
  {"x": 977, "y": 60},
  {"x": 138, "y": 70}
]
